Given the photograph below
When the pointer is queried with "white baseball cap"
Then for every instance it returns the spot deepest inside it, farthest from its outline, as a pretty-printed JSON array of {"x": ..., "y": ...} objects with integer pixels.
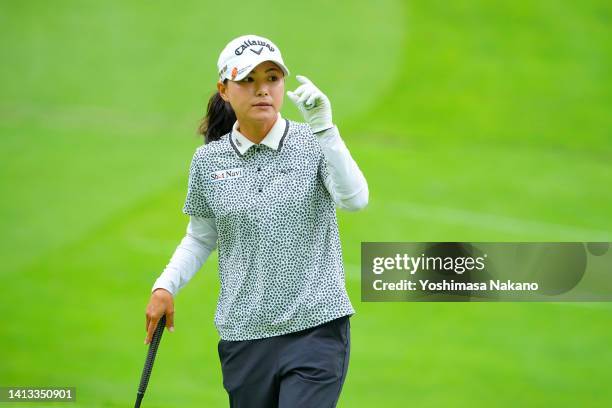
[{"x": 244, "y": 53}]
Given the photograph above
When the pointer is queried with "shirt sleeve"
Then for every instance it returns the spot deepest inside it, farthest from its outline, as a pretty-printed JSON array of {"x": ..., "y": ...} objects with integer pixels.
[
  {"x": 189, "y": 256},
  {"x": 339, "y": 172},
  {"x": 195, "y": 202}
]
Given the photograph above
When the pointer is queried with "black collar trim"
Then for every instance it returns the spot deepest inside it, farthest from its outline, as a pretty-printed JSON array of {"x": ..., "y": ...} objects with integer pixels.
[{"x": 280, "y": 142}]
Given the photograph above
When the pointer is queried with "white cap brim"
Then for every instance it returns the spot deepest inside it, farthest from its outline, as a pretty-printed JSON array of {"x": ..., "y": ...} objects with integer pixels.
[{"x": 243, "y": 68}]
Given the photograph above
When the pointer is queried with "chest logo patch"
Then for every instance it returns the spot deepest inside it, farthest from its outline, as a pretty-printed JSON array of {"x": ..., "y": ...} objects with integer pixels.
[{"x": 226, "y": 174}]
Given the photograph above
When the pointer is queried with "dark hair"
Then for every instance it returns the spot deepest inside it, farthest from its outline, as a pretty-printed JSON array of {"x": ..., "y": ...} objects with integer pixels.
[{"x": 219, "y": 119}]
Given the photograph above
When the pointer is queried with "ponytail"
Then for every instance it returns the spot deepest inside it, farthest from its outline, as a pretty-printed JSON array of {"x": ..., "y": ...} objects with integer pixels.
[{"x": 219, "y": 119}]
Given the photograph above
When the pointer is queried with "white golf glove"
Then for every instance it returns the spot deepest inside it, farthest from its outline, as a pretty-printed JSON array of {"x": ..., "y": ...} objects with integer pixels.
[{"x": 313, "y": 104}]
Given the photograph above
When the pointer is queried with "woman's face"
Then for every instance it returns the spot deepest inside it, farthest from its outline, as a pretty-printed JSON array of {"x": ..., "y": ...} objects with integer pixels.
[{"x": 265, "y": 84}]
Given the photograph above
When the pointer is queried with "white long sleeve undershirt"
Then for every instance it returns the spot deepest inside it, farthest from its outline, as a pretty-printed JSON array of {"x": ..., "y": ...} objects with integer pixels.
[
  {"x": 345, "y": 181},
  {"x": 189, "y": 256}
]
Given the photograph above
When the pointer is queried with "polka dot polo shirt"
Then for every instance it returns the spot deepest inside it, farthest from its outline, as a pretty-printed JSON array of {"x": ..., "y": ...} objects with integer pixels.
[{"x": 270, "y": 208}]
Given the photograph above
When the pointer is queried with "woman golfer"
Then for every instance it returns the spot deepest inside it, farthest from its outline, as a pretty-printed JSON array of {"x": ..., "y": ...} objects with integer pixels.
[{"x": 264, "y": 189}]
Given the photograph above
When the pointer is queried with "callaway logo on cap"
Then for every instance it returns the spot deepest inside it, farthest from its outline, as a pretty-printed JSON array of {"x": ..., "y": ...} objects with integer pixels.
[{"x": 244, "y": 53}]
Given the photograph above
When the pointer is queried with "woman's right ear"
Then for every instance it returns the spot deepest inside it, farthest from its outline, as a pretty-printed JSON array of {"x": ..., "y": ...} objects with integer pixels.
[{"x": 222, "y": 88}]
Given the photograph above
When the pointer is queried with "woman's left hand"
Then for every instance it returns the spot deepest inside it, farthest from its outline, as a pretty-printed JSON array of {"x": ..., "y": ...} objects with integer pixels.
[{"x": 313, "y": 104}]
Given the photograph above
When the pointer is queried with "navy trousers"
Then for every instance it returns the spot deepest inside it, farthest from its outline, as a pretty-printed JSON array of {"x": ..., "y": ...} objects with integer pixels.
[{"x": 297, "y": 370}]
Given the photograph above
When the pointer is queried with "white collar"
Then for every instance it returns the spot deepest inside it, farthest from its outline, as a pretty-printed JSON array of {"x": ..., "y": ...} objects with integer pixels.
[{"x": 273, "y": 139}]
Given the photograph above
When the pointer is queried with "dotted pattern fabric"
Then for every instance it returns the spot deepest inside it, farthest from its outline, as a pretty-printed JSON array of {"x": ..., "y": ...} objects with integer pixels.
[{"x": 280, "y": 259}]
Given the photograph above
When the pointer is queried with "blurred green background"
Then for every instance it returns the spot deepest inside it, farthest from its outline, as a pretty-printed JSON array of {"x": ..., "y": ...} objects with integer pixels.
[{"x": 472, "y": 121}]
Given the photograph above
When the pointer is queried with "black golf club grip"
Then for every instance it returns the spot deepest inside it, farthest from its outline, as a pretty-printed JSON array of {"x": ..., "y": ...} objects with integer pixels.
[{"x": 146, "y": 371}]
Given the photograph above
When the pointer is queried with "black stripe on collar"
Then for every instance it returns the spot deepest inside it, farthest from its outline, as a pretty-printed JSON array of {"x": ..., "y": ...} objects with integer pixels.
[
  {"x": 231, "y": 136},
  {"x": 280, "y": 142}
]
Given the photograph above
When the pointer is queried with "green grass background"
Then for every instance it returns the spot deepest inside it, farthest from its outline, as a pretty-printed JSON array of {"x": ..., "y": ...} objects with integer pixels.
[{"x": 472, "y": 120}]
